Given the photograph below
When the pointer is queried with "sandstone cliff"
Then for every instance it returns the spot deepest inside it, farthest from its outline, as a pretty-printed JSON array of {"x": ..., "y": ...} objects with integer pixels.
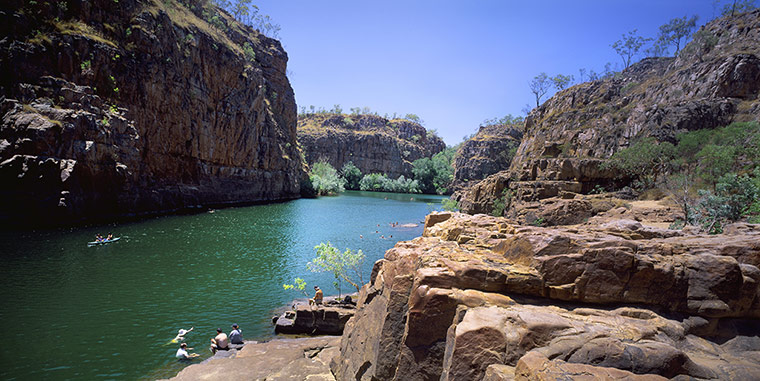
[
  {"x": 372, "y": 143},
  {"x": 139, "y": 106},
  {"x": 479, "y": 298},
  {"x": 491, "y": 150},
  {"x": 572, "y": 133}
]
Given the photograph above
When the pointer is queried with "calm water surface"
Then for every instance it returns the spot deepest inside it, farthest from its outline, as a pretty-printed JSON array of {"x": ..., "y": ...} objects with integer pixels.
[{"x": 69, "y": 311}]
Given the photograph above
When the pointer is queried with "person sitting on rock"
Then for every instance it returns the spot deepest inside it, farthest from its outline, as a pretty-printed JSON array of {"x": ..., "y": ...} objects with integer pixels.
[
  {"x": 318, "y": 296},
  {"x": 182, "y": 352},
  {"x": 220, "y": 342},
  {"x": 236, "y": 336}
]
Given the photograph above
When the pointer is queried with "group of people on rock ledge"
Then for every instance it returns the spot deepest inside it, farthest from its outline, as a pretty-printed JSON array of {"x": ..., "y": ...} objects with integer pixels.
[{"x": 220, "y": 342}]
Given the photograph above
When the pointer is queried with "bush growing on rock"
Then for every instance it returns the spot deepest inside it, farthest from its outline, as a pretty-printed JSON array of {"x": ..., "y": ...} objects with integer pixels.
[{"x": 643, "y": 162}]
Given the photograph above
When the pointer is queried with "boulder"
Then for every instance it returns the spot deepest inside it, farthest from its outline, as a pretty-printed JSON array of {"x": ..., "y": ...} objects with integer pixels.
[{"x": 323, "y": 319}]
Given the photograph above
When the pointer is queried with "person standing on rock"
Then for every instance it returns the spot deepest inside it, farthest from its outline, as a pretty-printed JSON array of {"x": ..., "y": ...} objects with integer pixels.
[
  {"x": 236, "y": 336},
  {"x": 318, "y": 296},
  {"x": 220, "y": 342}
]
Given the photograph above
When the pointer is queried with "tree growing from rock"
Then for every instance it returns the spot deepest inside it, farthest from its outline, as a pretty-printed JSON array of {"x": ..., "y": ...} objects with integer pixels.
[
  {"x": 737, "y": 6},
  {"x": 345, "y": 266},
  {"x": 560, "y": 81},
  {"x": 676, "y": 31},
  {"x": 628, "y": 46},
  {"x": 539, "y": 86}
]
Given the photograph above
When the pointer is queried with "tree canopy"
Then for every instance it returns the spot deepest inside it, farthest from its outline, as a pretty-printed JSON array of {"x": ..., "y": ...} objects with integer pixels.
[{"x": 628, "y": 46}]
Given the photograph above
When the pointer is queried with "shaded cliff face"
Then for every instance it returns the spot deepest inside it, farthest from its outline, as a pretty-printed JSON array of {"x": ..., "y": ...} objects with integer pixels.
[
  {"x": 489, "y": 151},
  {"x": 477, "y": 296},
  {"x": 577, "y": 129},
  {"x": 141, "y": 107},
  {"x": 372, "y": 143}
]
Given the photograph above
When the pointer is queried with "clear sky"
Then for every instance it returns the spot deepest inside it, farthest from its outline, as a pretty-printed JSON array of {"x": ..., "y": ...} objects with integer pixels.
[{"x": 453, "y": 63}]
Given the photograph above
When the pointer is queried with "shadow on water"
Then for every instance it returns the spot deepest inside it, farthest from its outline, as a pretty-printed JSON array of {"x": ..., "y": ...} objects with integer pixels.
[{"x": 110, "y": 311}]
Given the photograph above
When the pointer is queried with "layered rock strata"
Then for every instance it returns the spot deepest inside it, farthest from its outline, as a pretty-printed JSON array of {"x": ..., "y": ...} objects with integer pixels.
[
  {"x": 140, "y": 108},
  {"x": 372, "y": 143},
  {"x": 479, "y": 298},
  {"x": 568, "y": 137}
]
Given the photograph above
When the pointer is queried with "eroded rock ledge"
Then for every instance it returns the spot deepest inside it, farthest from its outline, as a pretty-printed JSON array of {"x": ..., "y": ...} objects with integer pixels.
[{"x": 478, "y": 297}]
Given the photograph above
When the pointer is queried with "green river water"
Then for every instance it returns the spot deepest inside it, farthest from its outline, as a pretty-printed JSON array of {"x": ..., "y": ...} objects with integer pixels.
[{"x": 75, "y": 312}]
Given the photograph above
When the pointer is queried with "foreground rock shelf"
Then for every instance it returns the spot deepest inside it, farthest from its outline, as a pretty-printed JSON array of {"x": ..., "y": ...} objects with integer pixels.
[
  {"x": 477, "y": 297},
  {"x": 286, "y": 359}
]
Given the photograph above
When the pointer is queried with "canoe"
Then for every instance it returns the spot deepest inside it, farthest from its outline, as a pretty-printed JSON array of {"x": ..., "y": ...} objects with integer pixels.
[{"x": 95, "y": 243}]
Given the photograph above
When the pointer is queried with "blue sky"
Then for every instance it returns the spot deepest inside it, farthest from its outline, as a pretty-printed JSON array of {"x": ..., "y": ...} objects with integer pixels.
[{"x": 453, "y": 63}]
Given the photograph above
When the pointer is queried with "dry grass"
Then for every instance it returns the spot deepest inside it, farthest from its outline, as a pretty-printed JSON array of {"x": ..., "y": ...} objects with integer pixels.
[
  {"x": 183, "y": 17},
  {"x": 78, "y": 28}
]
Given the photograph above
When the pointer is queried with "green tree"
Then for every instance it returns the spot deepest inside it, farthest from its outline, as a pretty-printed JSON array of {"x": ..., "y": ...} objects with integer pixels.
[
  {"x": 414, "y": 118},
  {"x": 240, "y": 9},
  {"x": 539, "y": 86},
  {"x": 352, "y": 175},
  {"x": 435, "y": 174},
  {"x": 325, "y": 179},
  {"x": 298, "y": 285},
  {"x": 734, "y": 7},
  {"x": 628, "y": 47},
  {"x": 676, "y": 31},
  {"x": 714, "y": 161},
  {"x": 560, "y": 81},
  {"x": 702, "y": 43},
  {"x": 345, "y": 266},
  {"x": 644, "y": 161}
]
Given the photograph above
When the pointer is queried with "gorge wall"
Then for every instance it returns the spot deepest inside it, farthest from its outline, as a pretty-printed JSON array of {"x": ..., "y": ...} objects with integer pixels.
[
  {"x": 478, "y": 298},
  {"x": 491, "y": 150},
  {"x": 570, "y": 135},
  {"x": 139, "y": 107},
  {"x": 372, "y": 143}
]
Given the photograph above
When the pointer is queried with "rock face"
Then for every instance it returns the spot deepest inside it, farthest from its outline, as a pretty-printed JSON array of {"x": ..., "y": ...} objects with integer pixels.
[
  {"x": 141, "y": 108},
  {"x": 570, "y": 135},
  {"x": 372, "y": 143},
  {"x": 489, "y": 151},
  {"x": 479, "y": 298}
]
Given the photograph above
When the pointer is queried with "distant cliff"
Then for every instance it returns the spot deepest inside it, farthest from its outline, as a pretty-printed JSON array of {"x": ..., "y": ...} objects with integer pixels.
[
  {"x": 489, "y": 151},
  {"x": 139, "y": 107},
  {"x": 374, "y": 144},
  {"x": 570, "y": 135}
]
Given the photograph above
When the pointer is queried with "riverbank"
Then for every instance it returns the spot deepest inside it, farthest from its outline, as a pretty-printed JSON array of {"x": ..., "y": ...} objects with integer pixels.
[{"x": 279, "y": 359}]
